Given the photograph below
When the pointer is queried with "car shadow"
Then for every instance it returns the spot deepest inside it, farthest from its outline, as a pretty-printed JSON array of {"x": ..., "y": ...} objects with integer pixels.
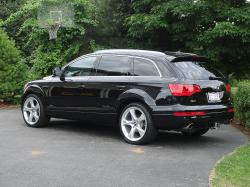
[
  {"x": 111, "y": 131},
  {"x": 176, "y": 138},
  {"x": 85, "y": 127}
]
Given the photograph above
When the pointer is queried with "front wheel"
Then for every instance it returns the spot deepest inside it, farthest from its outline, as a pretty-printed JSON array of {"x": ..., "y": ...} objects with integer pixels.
[
  {"x": 136, "y": 124},
  {"x": 33, "y": 111}
]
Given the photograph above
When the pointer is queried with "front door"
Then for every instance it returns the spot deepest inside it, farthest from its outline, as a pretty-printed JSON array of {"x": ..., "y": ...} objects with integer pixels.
[{"x": 70, "y": 93}]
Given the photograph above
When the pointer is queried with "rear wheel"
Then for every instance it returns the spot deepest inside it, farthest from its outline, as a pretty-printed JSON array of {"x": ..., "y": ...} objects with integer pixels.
[
  {"x": 136, "y": 124},
  {"x": 33, "y": 111},
  {"x": 195, "y": 132}
]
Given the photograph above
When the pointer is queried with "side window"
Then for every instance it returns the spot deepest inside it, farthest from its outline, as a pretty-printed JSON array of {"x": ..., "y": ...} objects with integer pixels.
[
  {"x": 166, "y": 69},
  {"x": 143, "y": 67},
  {"x": 82, "y": 67},
  {"x": 114, "y": 66}
]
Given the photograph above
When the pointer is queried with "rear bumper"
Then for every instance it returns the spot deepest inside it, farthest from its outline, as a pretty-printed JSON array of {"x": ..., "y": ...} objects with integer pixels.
[{"x": 164, "y": 119}]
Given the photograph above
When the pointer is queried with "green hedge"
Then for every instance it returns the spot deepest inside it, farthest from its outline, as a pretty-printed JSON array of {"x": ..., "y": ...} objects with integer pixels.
[
  {"x": 241, "y": 100},
  {"x": 13, "y": 70}
]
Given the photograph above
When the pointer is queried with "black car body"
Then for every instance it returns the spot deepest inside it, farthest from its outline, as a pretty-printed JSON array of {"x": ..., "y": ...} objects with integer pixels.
[{"x": 179, "y": 90}]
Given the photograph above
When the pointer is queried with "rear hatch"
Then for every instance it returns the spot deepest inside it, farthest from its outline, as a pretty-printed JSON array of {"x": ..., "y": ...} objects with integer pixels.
[{"x": 211, "y": 87}]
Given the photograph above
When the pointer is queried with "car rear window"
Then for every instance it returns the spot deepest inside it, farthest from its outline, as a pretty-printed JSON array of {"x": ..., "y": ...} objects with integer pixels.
[{"x": 197, "y": 70}]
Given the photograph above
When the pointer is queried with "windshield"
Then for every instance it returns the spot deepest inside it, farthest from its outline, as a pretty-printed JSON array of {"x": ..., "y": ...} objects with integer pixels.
[{"x": 198, "y": 70}]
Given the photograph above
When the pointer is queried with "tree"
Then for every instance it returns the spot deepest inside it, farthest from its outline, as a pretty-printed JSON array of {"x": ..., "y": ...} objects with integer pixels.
[
  {"x": 13, "y": 71},
  {"x": 110, "y": 31},
  {"x": 7, "y": 7},
  {"x": 42, "y": 54},
  {"x": 218, "y": 29}
]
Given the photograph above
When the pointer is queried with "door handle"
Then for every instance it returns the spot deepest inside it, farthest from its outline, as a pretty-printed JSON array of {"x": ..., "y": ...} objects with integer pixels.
[{"x": 82, "y": 85}]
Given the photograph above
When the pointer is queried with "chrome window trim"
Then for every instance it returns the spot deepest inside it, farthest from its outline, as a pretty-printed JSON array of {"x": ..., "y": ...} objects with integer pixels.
[
  {"x": 129, "y": 56},
  {"x": 80, "y": 58}
]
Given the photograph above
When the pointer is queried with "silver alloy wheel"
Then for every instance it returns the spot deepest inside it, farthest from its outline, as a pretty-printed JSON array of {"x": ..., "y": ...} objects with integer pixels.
[
  {"x": 133, "y": 123},
  {"x": 31, "y": 110}
]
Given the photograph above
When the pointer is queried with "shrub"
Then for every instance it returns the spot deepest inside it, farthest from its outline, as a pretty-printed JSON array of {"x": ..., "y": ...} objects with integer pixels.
[
  {"x": 42, "y": 54},
  {"x": 13, "y": 71},
  {"x": 241, "y": 100}
]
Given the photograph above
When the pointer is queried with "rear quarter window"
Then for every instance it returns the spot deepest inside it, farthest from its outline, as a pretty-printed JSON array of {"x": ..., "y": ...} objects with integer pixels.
[
  {"x": 197, "y": 70},
  {"x": 143, "y": 67}
]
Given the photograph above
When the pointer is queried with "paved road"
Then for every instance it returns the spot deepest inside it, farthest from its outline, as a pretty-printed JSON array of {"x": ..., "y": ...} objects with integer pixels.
[{"x": 75, "y": 154}]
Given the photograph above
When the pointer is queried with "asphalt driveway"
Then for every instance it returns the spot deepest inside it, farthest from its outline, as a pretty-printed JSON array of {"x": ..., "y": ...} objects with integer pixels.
[{"x": 75, "y": 154}]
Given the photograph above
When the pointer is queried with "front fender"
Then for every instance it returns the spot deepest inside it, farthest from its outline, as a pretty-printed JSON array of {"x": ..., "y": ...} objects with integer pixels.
[{"x": 33, "y": 88}]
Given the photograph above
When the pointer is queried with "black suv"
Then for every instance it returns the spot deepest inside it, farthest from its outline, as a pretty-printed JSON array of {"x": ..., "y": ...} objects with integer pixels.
[{"x": 142, "y": 91}]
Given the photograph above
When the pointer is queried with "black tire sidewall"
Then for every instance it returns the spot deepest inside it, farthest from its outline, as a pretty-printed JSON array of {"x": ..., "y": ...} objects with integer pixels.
[{"x": 151, "y": 131}]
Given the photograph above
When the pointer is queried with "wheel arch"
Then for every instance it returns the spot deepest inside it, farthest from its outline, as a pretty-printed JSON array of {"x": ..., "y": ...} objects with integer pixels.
[
  {"x": 134, "y": 96},
  {"x": 33, "y": 89}
]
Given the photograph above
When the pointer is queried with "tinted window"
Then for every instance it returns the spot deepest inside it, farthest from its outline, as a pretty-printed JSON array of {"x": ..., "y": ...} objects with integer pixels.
[
  {"x": 143, "y": 67},
  {"x": 165, "y": 68},
  {"x": 197, "y": 70},
  {"x": 82, "y": 67},
  {"x": 114, "y": 66}
]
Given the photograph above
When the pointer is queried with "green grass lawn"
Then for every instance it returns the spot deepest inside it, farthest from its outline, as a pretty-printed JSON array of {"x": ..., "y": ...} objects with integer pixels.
[{"x": 233, "y": 170}]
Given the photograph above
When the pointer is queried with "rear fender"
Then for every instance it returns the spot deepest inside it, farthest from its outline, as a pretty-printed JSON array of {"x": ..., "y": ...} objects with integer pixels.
[{"x": 136, "y": 94}]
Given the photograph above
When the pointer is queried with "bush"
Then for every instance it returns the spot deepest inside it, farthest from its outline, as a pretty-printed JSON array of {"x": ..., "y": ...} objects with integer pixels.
[
  {"x": 13, "y": 70},
  {"x": 42, "y": 54},
  {"x": 241, "y": 100}
]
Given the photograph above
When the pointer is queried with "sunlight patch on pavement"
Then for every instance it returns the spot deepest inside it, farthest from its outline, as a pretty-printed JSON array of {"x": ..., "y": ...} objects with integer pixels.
[
  {"x": 137, "y": 150},
  {"x": 37, "y": 152}
]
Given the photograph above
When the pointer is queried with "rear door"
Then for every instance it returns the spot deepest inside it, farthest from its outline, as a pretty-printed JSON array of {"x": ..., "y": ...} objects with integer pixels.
[
  {"x": 213, "y": 84},
  {"x": 111, "y": 79}
]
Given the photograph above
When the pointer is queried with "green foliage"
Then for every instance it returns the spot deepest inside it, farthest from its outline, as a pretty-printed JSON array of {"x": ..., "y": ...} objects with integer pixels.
[
  {"x": 7, "y": 7},
  {"x": 218, "y": 29},
  {"x": 13, "y": 70},
  {"x": 110, "y": 31},
  {"x": 241, "y": 100},
  {"x": 42, "y": 54}
]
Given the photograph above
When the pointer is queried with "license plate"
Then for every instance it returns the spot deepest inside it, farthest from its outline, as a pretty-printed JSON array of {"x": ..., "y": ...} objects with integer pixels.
[{"x": 214, "y": 97}]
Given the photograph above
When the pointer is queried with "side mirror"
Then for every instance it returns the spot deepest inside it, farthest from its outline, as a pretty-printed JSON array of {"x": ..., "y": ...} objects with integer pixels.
[{"x": 57, "y": 72}]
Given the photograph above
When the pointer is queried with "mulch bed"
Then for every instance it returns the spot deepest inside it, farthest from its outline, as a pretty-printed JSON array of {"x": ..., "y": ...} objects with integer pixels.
[
  {"x": 244, "y": 130},
  {"x": 7, "y": 105}
]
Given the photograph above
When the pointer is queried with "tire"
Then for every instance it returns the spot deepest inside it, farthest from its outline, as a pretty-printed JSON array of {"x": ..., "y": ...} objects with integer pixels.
[
  {"x": 34, "y": 114},
  {"x": 136, "y": 125},
  {"x": 195, "y": 132}
]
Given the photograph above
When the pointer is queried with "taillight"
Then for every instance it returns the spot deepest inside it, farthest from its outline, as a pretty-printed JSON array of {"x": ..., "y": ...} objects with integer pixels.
[
  {"x": 184, "y": 89},
  {"x": 230, "y": 110},
  {"x": 199, "y": 113},
  {"x": 228, "y": 88}
]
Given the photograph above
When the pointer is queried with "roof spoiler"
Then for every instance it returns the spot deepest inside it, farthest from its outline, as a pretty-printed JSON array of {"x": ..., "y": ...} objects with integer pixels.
[
  {"x": 180, "y": 57},
  {"x": 195, "y": 58}
]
